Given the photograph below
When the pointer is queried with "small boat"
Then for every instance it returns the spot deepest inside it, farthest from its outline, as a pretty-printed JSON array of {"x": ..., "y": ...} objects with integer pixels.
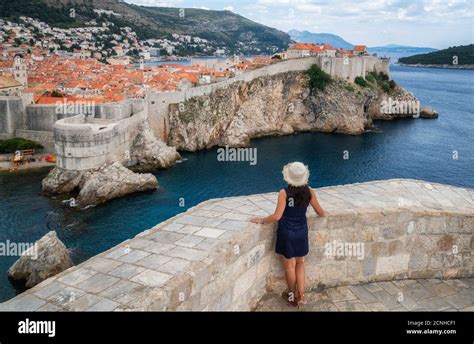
[{"x": 50, "y": 158}]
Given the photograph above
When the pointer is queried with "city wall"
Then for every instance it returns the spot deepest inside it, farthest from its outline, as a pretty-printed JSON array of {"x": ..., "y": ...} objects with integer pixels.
[{"x": 82, "y": 143}]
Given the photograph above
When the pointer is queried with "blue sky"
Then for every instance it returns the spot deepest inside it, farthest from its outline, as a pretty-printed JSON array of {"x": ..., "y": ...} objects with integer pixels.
[{"x": 429, "y": 23}]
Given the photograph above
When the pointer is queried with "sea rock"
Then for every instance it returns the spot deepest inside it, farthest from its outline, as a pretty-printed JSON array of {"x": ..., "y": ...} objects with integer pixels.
[
  {"x": 60, "y": 181},
  {"x": 113, "y": 181},
  {"x": 46, "y": 258},
  {"x": 149, "y": 153},
  {"x": 428, "y": 113},
  {"x": 400, "y": 103},
  {"x": 98, "y": 185}
]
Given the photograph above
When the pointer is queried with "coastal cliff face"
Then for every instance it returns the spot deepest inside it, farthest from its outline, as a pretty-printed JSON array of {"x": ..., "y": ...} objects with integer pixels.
[{"x": 277, "y": 105}]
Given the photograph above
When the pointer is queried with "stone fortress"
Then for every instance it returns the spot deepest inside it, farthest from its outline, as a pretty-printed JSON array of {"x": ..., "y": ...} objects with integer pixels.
[{"x": 84, "y": 141}]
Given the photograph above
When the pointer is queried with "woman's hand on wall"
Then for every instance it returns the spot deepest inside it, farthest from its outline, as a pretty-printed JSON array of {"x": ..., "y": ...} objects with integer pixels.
[{"x": 257, "y": 220}]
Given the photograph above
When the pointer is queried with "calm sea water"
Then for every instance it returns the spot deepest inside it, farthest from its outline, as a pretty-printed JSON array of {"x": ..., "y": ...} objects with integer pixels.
[{"x": 421, "y": 149}]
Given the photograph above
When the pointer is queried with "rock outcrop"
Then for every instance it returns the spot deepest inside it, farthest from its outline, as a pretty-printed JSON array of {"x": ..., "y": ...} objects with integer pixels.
[
  {"x": 149, "y": 153},
  {"x": 98, "y": 185},
  {"x": 113, "y": 181},
  {"x": 428, "y": 113},
  {"x": 278, "y": 105},
  {"x": 46, "y": 258},
  {"x": 61, "y": 181}
]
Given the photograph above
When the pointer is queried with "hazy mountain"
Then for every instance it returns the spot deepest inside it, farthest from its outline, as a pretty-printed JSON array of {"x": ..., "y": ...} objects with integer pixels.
[{"x": 328, "y": 38}]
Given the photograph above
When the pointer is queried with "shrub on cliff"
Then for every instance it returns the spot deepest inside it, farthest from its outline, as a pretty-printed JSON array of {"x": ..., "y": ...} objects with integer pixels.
[
  {"x": 318, "y": 79},
  {"x": 18, "y": 143},
  {"x": 361, "y": 81},
  {"x": 349, "y": 88},
  {"x": 382, "y": 80},
  {"x": 386, "y": 87},
  {"x": 370, "y": 78}
]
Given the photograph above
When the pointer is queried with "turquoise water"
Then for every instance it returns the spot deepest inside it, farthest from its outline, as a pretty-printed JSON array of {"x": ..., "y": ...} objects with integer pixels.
[{"x": 420, "y": 149}]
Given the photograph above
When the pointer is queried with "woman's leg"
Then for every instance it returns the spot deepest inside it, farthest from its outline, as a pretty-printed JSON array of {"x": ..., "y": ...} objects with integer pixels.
[
  {"x": 290, "y": 274},
  {"x": 299, "y": 269}
]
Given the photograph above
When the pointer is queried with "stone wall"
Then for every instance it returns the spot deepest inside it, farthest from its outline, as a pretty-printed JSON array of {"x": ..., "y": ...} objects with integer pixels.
[
  {"x": 43, "y": 117},
  {"x": 11, "y": 109},
  {"x": 398, "y": 244},
  {"x": 212, "y": 258},
  {"x": 46, "y": 138}
]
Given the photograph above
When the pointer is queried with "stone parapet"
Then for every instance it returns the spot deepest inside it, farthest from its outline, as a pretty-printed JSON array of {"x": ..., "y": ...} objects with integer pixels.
[{"x": 212, "y": 258}]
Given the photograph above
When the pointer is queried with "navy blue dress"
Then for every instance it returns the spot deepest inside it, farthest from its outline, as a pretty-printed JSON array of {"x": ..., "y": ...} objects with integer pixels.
[{"x": 292, "y": 234}]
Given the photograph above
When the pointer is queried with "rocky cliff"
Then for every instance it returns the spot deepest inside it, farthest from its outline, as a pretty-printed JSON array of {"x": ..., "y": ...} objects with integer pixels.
[{"x": 279, "y": 105}]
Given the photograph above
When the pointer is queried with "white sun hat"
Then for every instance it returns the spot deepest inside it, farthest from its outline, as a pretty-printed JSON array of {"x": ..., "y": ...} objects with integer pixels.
[{"x": 296, "y": 174}]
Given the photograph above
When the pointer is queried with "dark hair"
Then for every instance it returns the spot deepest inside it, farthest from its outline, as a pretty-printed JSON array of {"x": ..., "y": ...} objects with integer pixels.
[{"x": 300, "y": 194}]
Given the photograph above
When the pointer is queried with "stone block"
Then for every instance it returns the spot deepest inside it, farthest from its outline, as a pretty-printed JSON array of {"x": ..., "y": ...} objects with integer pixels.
[
  {"x": 244, "y": 282},
  {"x": 393, "y": 231},
  {"x": 151, "y": 278},
  {"x": 368, "y": 266},
  {"x": 395, "y": 247},
  {"x": 418, "y": 261},
  {"x": 437, "y": 225},
  {"x": 392, "y": 264},
  {"x": 376, "y": 249},
  {"x": 97, "y": 283}
]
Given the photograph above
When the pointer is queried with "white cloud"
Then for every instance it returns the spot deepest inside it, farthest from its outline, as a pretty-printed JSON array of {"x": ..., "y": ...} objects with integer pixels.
[
  {"x": 437, "y": 23},
  {"x": 229, "y": 8}
]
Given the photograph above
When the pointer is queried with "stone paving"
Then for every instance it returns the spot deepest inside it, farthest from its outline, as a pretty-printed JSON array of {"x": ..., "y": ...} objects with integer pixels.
[
  {"x": 143, "y": 273},
  {"x": 404, "y": 295}
]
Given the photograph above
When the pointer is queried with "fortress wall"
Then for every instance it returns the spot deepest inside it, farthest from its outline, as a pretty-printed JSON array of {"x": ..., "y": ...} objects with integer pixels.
[
  {"x": 11, "y": 109},
  {"x": 159, "y": 102},
  {"x": 46, "y": 138},
  {"x": 42, "y": 117},
  {"x": 378, "y": 65},
  {"x": 83, "y": 143}
]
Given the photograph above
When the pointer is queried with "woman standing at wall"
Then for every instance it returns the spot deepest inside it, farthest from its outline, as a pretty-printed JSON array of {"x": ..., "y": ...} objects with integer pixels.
[{"x": 292, "y": 235}]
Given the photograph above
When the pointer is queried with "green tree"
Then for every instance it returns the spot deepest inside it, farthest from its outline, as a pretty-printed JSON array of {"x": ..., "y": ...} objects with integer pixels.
[{"x": 318, "y": 79}]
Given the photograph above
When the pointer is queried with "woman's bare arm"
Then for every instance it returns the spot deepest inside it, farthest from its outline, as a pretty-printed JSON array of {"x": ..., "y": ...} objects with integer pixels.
[
  {"x": 315, "y": 204},
  {"x": 276, "y": 216}
]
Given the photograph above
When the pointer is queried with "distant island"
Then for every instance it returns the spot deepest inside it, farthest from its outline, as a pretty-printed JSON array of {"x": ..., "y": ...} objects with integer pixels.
[{"x": 460, "y": 57}]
